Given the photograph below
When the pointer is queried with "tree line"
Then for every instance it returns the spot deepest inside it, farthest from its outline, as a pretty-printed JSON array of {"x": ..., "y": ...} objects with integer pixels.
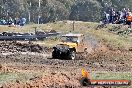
[{"x": 56, "y": 10}]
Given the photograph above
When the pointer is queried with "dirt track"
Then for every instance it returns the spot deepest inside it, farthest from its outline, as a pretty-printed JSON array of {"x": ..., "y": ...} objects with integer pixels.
[{"x": 61, "y": 73}]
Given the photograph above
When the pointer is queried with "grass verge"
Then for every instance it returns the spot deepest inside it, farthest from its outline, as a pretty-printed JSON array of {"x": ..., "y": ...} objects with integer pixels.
[{"x": 12, "y": 77}]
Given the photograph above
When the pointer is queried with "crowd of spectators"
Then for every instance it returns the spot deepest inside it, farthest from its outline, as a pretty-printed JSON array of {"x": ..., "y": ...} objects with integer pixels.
[
  {"x": 13, "y": 22},
  {"x": 118, "y": 17}
]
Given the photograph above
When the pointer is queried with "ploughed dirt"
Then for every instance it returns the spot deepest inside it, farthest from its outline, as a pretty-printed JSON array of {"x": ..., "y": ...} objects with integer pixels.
[
  {"x": 14, "y": 47},
  {"x": 24, "y": 57}
]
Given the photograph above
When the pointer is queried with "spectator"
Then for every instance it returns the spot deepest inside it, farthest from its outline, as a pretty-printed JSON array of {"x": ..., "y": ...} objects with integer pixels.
[
  {"x": 113, "y": 16},
  {"x": 124, "y": 14},
  {"x": 110, "y": 13},
  {"x": 129, "y": 19},
  {"x": 22, "y": 21},
  {"x": 15, "y": 21},
  {"x": 107, "y": 16},
  {"x": 10, "y": 21},
  {"x": 3, "y": 22},
  {"x": 117, "y": 18},
  {"x": 122, "y": 19}
]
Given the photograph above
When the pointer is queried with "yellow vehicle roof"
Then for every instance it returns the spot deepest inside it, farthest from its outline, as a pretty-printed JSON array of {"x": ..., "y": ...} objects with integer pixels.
[{"x": 71, "y": 34}]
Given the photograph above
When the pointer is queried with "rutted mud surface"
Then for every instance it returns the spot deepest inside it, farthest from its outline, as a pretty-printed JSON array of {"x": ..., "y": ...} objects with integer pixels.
[
  {"x": 107, "y": 61},
  {"x": 61, "y": 73},
  {"x": 14, "y": 47}
]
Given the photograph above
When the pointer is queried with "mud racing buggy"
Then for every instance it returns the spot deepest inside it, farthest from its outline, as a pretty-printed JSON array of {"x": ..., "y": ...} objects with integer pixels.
[{"x": 70, "y": 45}]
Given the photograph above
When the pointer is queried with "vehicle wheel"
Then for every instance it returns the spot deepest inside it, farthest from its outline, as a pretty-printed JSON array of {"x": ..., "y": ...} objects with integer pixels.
[
  {"x": 72, "y": 55},
  {"x": 54, "y": 55}
]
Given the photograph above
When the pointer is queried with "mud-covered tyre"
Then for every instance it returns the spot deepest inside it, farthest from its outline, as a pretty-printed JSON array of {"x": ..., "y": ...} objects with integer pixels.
[
  {"x": 72, "y": 55},
  {"x": 54, "y": 55}
]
